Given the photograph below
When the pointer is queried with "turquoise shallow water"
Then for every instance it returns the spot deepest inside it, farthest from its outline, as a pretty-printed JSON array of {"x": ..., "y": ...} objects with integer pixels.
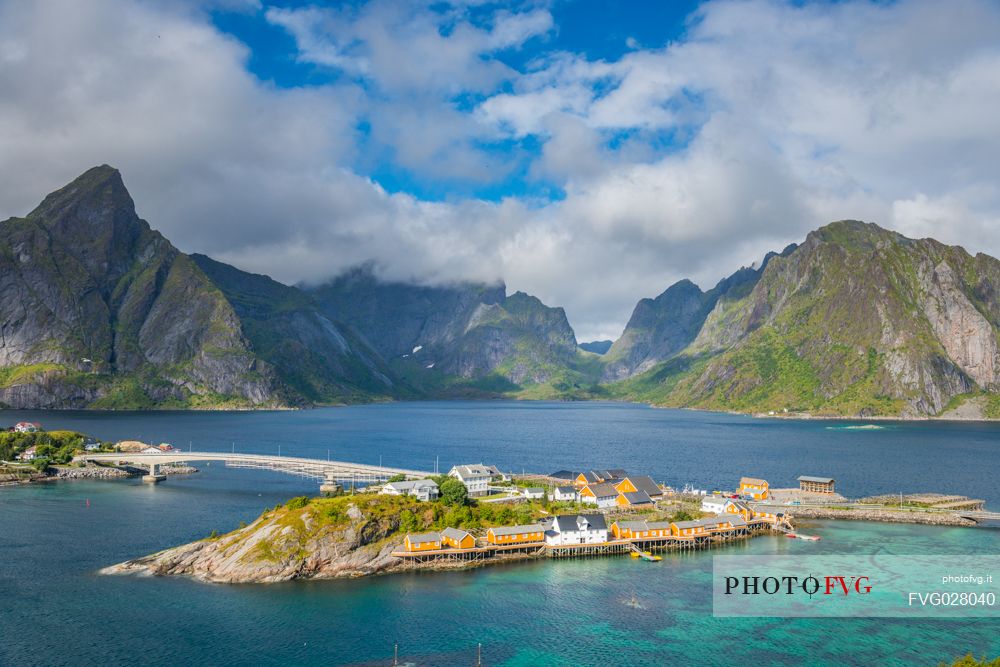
[{"x": 55, "y": 610}]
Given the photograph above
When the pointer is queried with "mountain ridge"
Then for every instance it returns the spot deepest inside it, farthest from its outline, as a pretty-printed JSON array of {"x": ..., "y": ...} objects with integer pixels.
[{"x": 100, "y": 310}]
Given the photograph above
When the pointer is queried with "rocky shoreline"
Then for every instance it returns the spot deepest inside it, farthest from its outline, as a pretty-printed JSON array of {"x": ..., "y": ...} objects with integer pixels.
[
  {"x": 884, "y": 516},
  {"x": 60, "y": 473},
  {"x": 276, "y": 549},
  {"x": 281, "y": 546}
]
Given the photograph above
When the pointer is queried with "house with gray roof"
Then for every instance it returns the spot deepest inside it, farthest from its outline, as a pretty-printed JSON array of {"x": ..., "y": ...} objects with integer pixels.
[
  {"x": 422, "y": 541},
  {"x": 603, "y": 495},
  {"x": 643, "y": 483},
  {"x": 566, "y": 494},
  {"x": 421, "y": 489},
  {"x": 577, "y": 529},
  {"x": 636, "y": 499},
  {"x": 476, "y": 478}
]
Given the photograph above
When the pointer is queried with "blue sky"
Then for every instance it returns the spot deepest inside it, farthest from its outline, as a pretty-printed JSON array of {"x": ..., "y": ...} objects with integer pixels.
[
  {"x": 593, "y": 29},
  {"x": 588, "y": 153}
]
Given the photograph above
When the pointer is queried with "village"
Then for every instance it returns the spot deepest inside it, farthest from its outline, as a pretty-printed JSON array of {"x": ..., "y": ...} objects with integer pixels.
[{"x": 617, "y": 513}]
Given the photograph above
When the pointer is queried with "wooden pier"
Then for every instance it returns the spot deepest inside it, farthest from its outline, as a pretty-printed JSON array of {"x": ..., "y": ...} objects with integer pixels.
[{"x": 612, "y": 547}]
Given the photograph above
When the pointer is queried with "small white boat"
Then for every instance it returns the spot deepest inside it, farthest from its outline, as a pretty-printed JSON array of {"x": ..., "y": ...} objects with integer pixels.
[{"x": 810, "y": 538}]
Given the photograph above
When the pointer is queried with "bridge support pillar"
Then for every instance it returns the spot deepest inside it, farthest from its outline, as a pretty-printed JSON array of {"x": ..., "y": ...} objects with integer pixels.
[
  {"x": 154, "y": 475},
  {"x": 331, "y": 487}
]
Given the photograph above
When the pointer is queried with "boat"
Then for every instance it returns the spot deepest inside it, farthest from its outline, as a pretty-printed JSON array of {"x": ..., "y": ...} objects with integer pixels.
[
  {"x": 810, "y": 538},
  {"x": 645, "y": 555}
]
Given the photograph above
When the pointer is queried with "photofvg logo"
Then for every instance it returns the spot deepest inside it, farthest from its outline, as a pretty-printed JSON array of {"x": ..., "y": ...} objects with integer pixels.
[
  {"x": 856, "y": 585},
  {"x": 830, "y": 584}
]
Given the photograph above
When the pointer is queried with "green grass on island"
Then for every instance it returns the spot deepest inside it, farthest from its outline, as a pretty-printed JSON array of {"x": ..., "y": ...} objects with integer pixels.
[
  {"x": 390, "y": 518},
  {"x": 51, "y": 447}
]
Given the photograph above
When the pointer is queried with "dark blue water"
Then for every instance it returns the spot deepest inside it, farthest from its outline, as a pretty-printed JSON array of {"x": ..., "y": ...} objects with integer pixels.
[
  {"x": 54, "y": 609},
  {"x": 709, "y": 450}
]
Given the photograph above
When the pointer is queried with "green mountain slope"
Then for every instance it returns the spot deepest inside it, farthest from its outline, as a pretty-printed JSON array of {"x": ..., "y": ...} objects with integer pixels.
[
  {"x": 317, "y": 359},
  {"x": 856, "y": 321},
  {"x": 99, "y": 310}
]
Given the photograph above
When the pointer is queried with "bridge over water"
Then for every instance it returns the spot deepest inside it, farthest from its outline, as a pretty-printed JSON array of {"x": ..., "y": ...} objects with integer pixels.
[{"x": 328, "y": 472}]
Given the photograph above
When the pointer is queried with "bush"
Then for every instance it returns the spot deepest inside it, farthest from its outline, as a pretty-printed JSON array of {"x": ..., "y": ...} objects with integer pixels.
[
  {"x": 408, "y": 521},
  {"x": 970, "y": 661},
  {"x": 396, "y": 478},
  {"x": 453, "y": 492},
  {"x": 297, "y": 503},
  {"x": 682, "y": 515}
]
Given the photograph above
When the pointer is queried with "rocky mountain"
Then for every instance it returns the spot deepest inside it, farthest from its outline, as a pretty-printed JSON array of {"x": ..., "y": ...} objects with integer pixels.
[
  {"x": 397, "y": 317},
  {"x": 99, "y": 310},
  {"x": 660, "y": 328},
  {"x": 318, "y": 359},
  {"x": 597, "y": 346},
  {"x": 461, "y": 338},
  {"x": 857, "y": 320}
]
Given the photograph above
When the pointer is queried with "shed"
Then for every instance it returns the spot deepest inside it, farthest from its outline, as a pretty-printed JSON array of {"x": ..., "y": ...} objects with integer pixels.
[{"x": 816, "y": 484}]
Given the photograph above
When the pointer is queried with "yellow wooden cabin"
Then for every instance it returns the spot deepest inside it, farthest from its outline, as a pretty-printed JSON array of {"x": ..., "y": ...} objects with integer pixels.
[
  {"x": 634, "y": 499},
  {"x": 758, "y": 489},
  {"x": 457, "y": 539},
  {"x": 741, "y": 509},
  {"x": 503, "y": 535},
  {"x": 422, "y": 542},
  {"x": 630, "y": 530},
  {"x": 687, "y": 528}
]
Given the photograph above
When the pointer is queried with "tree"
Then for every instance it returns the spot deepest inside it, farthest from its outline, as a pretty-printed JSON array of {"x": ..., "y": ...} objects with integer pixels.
[
  {"x": 523, "y": 514},
  {"x": 396, "y": 478},
  {"x": 453, "y": 492},
  {"x": 408, "y": 521},
  {"x": 681, "y": 515}
]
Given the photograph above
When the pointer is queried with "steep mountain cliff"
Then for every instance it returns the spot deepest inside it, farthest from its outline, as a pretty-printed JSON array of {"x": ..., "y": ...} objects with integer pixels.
[
  {"x": 396, "y": 317},
  {"x": 319, "y": 360},
  {"x": 857, "y": 320},
  {"x": 99, "y": 310},
  {"x": 660, "y": 328},
  {"x": 460, "y": 339}
]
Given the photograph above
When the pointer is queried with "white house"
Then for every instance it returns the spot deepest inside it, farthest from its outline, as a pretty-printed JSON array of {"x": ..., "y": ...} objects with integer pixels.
[
  {"x": 566, "y": 494},
  {"x": 603, "y": 495},
  {"x": 534, "y": 492},
  {"x": 476, "y": 478},
  {"x": 28, "y": 455},
  {"x": 27, "y": 427},
  {"x": 577, "y": 529},
  {"x": 421, "y": 489},
  {"x": 715, "y": 504},
  {"x": 151, "y": 450},
  {"x": 496, "y": 474}
]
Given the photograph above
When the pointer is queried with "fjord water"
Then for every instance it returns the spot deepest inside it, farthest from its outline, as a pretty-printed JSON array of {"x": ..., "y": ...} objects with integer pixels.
[{"x": 55, "y": 609}]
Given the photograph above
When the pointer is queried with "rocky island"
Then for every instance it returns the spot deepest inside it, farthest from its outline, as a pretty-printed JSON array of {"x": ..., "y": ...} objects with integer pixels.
[
  {"x": 359, "y": 535},
  {"x": 319, "y": 538}
]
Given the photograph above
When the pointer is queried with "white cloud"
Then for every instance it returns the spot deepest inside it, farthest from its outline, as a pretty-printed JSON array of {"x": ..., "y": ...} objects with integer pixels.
[{"x": 765, "y": 120}]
